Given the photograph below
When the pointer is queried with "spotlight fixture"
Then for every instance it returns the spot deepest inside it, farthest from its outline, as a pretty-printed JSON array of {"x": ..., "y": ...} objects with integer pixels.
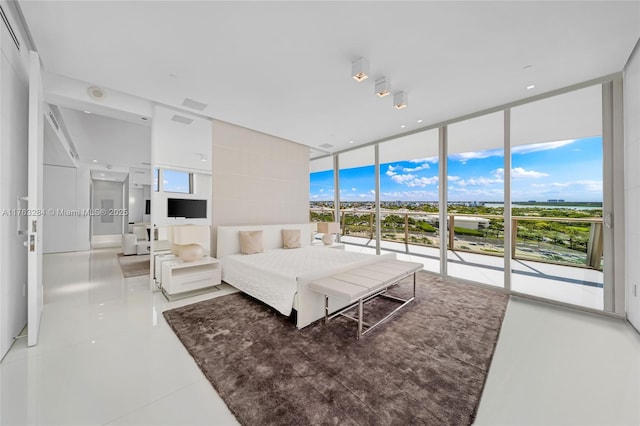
[
  {"x": 531, "y": 86},
  {"x": 383, "y": 87},
  {"x": 360, "y": 69},
  {"x": 400, "y": 100}
]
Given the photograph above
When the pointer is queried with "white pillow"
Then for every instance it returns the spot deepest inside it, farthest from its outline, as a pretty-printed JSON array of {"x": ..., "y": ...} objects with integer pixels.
[
  {"x": 291, "y": 238},
  {"x": 251, "y": 242}
]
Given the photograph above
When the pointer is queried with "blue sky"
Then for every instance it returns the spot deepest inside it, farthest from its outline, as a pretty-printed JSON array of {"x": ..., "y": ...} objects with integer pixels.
[{"x": 569, "y": 170}]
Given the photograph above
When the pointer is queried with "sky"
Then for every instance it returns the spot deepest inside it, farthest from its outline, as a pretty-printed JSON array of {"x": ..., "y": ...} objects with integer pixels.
[{"x": 570, "y": 170}]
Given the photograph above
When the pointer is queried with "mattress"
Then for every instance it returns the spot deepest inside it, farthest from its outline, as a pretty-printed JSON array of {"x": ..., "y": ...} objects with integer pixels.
[{"x": 272, "y": 277}]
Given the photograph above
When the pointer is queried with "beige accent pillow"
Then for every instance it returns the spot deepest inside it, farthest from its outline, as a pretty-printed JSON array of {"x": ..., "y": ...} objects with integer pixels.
[
  {"x": 251, "y": 242},
  {"x": 291, "y": 238}
]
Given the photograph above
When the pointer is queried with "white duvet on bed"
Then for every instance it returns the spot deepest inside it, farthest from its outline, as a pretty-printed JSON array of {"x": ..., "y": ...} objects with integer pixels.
[{"x": 273, "y": 276}]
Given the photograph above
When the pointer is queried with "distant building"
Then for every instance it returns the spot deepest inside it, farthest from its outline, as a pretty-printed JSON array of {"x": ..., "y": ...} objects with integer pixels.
[{"x": 466, "y": 222}]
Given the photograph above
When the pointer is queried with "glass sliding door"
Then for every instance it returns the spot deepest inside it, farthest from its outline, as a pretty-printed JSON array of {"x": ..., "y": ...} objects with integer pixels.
[
  {"x": 357, "y": 199},
  {"x": 475, "y": 199},
  {"x": 557, "y": 198},
  {"x": 409, "y": 204}
]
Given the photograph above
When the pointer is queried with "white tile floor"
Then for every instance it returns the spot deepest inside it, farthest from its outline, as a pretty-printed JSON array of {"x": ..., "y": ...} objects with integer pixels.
[{"x": 106, "y": 356}]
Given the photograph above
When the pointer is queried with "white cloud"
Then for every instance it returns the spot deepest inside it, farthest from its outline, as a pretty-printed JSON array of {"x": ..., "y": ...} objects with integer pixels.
[
  {"x": 391, "y": 171},
  {"x": 590, "y": 185},
  {"x": 322, "y": 190},
  {"x": 481, "y": 181},
  {"x": 553, "y": 185},
  {"x": 402, "y": 179},
  {"x": 431, "y": 160},
  {"x": 422, "y": 182},
  {"x": 544, "y": 146},
  {"x": 415, "y": 169},
  {"x": 519, "y": 172},
  {"x": 466, "y": 156},
  {"x": 353, "y": 189},
  {"x": 416, "y": 195},
  {"x": 413, "y": 181},
  {"x": 453, "y": 178}
]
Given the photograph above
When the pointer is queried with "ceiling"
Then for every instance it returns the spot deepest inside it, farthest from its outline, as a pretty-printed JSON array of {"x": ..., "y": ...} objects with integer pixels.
[
  {"x": 283, "y": 68},
  {"x": 108, "y": 141}
]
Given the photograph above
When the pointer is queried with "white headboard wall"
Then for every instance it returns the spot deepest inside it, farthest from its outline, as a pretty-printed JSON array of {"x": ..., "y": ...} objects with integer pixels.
[{"x": 229, "y": 236}]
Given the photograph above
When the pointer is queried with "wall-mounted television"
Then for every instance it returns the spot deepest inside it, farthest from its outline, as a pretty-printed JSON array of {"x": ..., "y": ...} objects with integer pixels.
[
  {"x": 187, "y": 208},
  {"x": 147, "y": 206}
]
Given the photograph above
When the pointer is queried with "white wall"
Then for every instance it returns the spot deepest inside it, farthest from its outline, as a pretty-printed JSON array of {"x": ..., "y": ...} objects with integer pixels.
[
  {"x": 136, "y": 204},
  {"x": 59, "y": 228},
  {"x": 13, "y": 183},
  {"x": 107, "y": 191},
  {"x": 83, "y": 202},
  {"x": 180, "y": 145},
  {"x": 632, "y": 186},
  {"x": 257, "y": 178}
]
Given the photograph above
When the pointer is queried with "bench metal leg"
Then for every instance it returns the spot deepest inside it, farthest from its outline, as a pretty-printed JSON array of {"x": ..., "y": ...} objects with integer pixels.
[
  {"x": 326, "y": 309},
  {"x": 360, "y": 305}
]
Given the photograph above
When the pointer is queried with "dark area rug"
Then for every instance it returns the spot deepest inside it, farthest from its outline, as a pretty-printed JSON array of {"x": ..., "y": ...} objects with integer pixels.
[
  {"x": 426, "y": 365},
  {"x": 134, "y": 266}
]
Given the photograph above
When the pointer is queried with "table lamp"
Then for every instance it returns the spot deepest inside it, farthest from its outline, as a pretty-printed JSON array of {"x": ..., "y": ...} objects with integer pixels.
[
  {"x": 186, "y": 241},
  {"x": 328, "y": 229}
]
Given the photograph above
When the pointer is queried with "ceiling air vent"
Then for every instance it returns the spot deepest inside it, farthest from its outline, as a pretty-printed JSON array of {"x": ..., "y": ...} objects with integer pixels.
[
  {"x": 190, "y": 103},
  {"x": 181, "y": 119},
  {"x": 12, "y": 33},
  {"x": 326, "y": 145},
  {"x": 54, "y": 121}
]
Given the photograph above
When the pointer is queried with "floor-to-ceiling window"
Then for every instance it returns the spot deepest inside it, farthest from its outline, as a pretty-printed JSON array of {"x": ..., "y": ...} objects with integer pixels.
[
  {"x": 475, "y": 195},
  {"x": 321, "y": 190},
  {"x": 409, "y": 203},
  {"x": 526, "y": 201},
  {"x": 557, "y": 198},
  {"x": 357, "y": 198}
]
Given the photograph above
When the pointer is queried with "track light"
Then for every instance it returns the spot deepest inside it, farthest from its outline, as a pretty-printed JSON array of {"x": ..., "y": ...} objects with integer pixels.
[
  {"x": 383, "y": 87},
  {"x": 360, "y": 69},
  {"x": 400, "y": 100}
]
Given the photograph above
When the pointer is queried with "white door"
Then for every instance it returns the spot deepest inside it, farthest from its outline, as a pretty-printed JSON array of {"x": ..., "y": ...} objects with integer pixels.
[{"x": 35, "y": 214}]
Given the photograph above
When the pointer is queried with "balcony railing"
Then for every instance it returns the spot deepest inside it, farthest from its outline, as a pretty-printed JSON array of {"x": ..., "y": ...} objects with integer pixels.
[{"x": 567, "y": 241}]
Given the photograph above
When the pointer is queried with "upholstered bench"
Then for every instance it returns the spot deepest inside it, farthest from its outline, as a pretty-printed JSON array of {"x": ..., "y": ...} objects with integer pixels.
[{"x": 359, "y": 285}]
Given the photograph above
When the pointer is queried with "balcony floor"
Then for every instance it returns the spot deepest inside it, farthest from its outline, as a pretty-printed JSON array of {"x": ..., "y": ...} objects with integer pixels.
[{"x": 574, "y": 285}]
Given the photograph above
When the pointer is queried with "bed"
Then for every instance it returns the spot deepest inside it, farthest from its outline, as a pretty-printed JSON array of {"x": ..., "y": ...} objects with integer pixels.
[{"x": 280, "y": 277}]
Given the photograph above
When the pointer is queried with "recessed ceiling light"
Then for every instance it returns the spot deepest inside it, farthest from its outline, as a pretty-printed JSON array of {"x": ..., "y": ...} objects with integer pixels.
[
  {"x": 143, "y": 118},
  {"x": 95, "y": 161},
  {"x": 531, "y": 86},
  {"x": 350, "y": 141},
  {"x": 526, "y": 67},
  {"x": 403, "y": 126},
  {"x": 87, "y": 112},
  {"x": 419, "y": 121}
]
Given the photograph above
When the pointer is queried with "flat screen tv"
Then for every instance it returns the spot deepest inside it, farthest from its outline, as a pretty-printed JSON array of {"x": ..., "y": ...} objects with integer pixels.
[
  {"x": 187, "y": 208},
  {"x": 147, "y": 206}
]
